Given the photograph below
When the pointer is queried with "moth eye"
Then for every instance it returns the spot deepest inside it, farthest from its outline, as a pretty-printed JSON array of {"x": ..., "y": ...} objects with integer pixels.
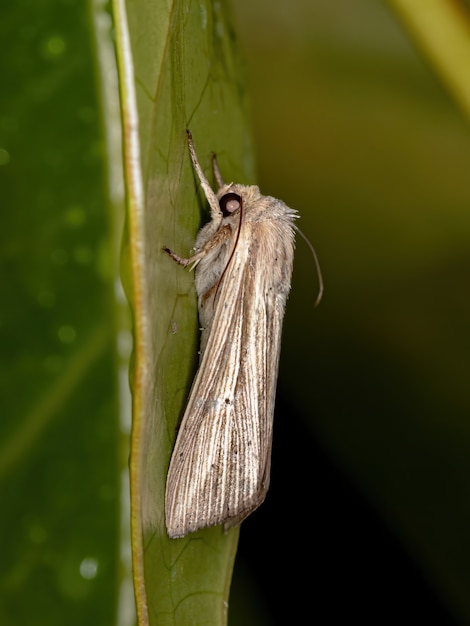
[{"x": 230, "y": 203}]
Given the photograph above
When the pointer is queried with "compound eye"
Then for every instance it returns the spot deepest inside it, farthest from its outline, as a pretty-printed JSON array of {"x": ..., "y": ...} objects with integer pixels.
[{"x": 230, "y": 203}]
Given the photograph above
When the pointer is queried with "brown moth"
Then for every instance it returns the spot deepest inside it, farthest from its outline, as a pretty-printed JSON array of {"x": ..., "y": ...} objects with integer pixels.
[{"x": 220, "y": 467}]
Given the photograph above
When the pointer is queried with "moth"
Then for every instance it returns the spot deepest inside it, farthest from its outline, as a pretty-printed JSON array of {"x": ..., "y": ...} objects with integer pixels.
[{"x": 220, "y": 467}]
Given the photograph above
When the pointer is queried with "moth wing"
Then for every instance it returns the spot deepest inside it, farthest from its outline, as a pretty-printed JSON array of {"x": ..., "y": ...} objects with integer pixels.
[{"x": 219, "y": 471}]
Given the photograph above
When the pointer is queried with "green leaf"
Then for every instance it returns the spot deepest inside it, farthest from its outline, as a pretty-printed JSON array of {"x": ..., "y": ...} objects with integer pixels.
[
  {"x": 179, "y": 68},
  {"x": 59, "y": 440}
]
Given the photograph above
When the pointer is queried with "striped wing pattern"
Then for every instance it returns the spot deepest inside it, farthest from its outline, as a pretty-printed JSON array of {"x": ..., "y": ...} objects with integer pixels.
[{"x": 219, "y": 471}]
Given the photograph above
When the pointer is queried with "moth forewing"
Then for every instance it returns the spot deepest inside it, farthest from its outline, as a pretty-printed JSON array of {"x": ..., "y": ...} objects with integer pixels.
[{"x": 219, "y": 469}]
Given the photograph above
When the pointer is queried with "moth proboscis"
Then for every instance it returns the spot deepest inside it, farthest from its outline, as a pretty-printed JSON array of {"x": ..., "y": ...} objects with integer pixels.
[{"x": 220, "y": 467}]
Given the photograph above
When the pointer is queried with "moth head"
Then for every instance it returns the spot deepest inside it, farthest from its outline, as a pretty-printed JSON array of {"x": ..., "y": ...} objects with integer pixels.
[{"x": 230, "y": 203}]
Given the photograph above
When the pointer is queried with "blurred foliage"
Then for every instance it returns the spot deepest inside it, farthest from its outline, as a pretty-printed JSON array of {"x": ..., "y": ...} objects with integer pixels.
[{"x": 58, "y": 450}]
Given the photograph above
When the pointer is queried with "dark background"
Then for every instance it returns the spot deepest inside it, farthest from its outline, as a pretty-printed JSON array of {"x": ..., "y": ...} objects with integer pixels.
[{"x": 369, "y": 492}]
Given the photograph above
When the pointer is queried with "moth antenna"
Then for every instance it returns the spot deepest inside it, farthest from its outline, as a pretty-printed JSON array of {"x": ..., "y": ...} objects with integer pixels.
[
  {"x": 317, "y": 265},
  {"x": 208, "y": 191},
  {"x": 232, "y": 253},
  {"x": 217, "y": 175}
]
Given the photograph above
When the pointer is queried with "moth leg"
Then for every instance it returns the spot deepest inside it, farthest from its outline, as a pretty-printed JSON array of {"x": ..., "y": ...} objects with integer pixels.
[
  {"x": 215, "y": 241},
  {"x": 195, "y": 258},
  {"x": 208, "y": 191},
  {"x": 217, "y": 175}
]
